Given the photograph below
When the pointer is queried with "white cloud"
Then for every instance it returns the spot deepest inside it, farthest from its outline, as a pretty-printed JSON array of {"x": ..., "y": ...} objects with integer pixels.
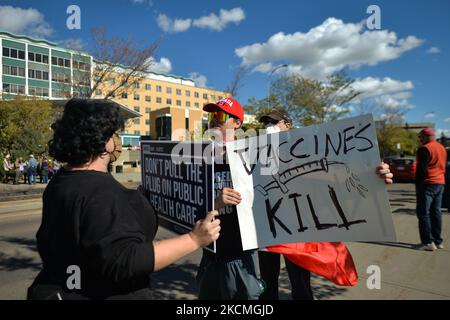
[
  {"x": 439, "y": 132},
  {"x": 74, "y": 43},
  {"x": 170, "y": 25},
  {"x": 162, "y": 66},
  {"x": 434, "y": 50},
  {"x": 392, "y": 103},
  {"x": 371, "y": 87},
  {"x": 24, "y": 21},
  {"x": 211, "y": 21},
  {"x": 199, "y": 79},
  {"x": 218, "y": 23},
  {"x": 327, "y": 48},
  {"x": 447, "y": 120},
  {"x": 429, "y": 115}
]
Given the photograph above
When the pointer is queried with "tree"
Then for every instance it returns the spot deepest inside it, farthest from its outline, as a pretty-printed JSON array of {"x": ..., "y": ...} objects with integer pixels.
[
  {"x": 25, "y": 126},
  {"x": 308, "y": 101},
  {"x": 122, "y": 59},
  {"x": 236, "y": 83}
]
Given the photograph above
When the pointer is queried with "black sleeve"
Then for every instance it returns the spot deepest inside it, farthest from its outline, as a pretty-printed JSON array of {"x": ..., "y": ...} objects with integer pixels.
[
  {"x": 423, "y": 157},
  {"x": 112, "y": 241}
]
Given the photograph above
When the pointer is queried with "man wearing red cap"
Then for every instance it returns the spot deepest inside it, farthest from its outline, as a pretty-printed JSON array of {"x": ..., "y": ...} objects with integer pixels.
[
  {"x": 230, "y": 273},
  {"x": 430, "y": 181}
]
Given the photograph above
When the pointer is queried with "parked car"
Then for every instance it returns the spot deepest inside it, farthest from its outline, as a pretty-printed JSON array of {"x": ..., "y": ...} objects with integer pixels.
[{"x": 403, "y": 169}]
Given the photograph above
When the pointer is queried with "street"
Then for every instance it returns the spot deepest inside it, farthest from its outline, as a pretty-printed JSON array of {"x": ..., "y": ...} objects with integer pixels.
[{"x": 405, "y": 272}]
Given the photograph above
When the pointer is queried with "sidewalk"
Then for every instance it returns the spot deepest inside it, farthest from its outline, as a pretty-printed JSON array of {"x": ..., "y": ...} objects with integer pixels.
[{"x": 26, "y": 191}]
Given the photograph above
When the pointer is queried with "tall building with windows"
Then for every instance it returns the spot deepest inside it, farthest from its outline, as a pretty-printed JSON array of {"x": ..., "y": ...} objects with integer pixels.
[
  {"x": 41, "y": 68},
  {"x": 171, "y": 106},
  {"x": 162, "y": 106}
]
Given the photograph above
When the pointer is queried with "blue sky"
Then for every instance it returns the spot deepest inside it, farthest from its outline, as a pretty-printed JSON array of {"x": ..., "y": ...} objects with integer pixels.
[{"x": 404, "y": 65}]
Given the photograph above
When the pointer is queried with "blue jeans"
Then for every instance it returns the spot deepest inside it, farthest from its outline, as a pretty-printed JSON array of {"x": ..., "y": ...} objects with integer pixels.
[{"x": 429, "y": 198}]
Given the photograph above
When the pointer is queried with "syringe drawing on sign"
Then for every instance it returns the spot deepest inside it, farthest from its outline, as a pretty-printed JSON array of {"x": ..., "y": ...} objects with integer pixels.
[{"x": 280, "y": 180}]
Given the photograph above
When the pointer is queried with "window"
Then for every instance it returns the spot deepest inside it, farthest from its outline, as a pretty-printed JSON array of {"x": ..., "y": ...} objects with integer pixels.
[
  {"x": 169, "y": 90},
  {"x": 61, "y": 62},
  {"x": 205, "y": 96},
  {"x": 178, "y": 92},
  {"x": 158, "y": 89},
  {"x": 147, "y": 122},
  {"x": 44, "y": 75},
  {"x": 67, "y": 63},
  {"x": 31, "y": 56},
  {"x": 21, "y": 54},
  {"x": 55, "y": 61},
  {"x": 196, "y": 105},
  {"x": 148, "y": 86},
  {"x": 137, "y": 121},
  {"x": 169, "y": 101},
  {"x": 14, "y": 71},
  {"x": 124, "y": 95},
  {"x": 45, "y": 59},
  {"x": 38, "y": 57},
  {"x": 136, "y": 85},
  {"x": 186, "y": 122},
  {"x": 148, "y": 98},
  {"x": 178, "y": 102},
  {"x": 112, "y": 81},
  {"x": 188, "y": 93},
  {"x": 188, "y": 104},
  {"x": 5, "y": 52},
  {"x": 137, "y": 132},
  {"x": 196, "y": 94},
  {"x": 38, "y": 74},
  {"x": 31, "y": 73},
  {"x": 137, "y": 109},
  {"x": 36, "y": 91},
  {"x": 213, "y": 97},
  {"x": 13, "y": 53},
  {"x": 136, "y": 96},
  {"x": 147, "y": 110},
  {"x": 163, "y": 128},
  {"x": 13, "y": 88},
  {"x": 158, "y": 100}
]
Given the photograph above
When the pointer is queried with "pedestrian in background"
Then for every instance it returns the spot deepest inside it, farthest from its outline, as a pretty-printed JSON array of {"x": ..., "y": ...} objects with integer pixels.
[
  {"x": 430, "y": 182},
  {"x": 32, "y": 170}
]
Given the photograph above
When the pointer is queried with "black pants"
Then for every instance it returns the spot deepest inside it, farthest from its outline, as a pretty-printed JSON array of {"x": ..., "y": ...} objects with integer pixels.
[{"x": 269, "y": 266}]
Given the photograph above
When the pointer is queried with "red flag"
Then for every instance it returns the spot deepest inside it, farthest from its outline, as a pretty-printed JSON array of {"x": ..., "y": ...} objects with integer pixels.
[{"x": 329, "y": 259}]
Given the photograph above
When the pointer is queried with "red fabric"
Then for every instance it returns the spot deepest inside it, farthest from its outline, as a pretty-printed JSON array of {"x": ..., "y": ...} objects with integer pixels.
[{"x": 329, "y": 259}]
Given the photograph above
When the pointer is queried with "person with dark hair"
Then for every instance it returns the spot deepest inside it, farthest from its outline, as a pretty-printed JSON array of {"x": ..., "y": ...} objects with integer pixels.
[{"x": 96, "y": 238}]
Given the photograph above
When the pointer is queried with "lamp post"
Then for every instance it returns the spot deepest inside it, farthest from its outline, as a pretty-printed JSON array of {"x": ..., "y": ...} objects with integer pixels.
[{"x": 269, "y": 86}]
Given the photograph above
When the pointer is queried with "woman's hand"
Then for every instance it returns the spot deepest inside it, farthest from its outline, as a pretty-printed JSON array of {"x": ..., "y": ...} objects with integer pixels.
[
  {"x": 384, "y": 173},
  {"x": 207, "y": 230},
  {"x": 227, "y": 197}
]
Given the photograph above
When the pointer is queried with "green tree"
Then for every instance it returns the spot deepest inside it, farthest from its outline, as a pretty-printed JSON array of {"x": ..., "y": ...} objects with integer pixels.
[
  {"x": 25, "y": 126},
  {"x": 308, "y": 101}
]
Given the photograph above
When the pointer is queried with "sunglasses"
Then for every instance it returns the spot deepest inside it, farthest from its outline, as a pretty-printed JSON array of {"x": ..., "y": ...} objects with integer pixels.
[{"x": 220, "y": 116}]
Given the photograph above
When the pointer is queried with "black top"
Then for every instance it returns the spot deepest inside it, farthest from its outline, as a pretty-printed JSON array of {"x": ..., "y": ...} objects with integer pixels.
[
  {"x": 92, "y": 221},
  {"x": 423, "y": 157}
]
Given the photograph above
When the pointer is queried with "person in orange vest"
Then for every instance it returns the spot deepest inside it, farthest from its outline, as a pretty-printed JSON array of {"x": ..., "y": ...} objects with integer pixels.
[{"x": 430, "y": 182}]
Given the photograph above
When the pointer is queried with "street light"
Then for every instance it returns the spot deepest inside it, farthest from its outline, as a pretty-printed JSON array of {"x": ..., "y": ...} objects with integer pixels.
[{"x": 269, "y": 86}]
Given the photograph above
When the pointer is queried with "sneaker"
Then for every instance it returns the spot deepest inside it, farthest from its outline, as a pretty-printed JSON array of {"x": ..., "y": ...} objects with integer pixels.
[
  {"x": 440, "y": 246},
  {"x": 427, "y": 247}
]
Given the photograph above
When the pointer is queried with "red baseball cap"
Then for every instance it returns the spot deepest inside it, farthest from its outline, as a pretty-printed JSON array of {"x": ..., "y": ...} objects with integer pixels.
[
  {"x": 228, "y": 105},
  {"x": 427, "y": 132}
]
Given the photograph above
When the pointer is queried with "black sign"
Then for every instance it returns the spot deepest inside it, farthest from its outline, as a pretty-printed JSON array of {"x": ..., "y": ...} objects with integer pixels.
[{"x": 178, "y": 180}]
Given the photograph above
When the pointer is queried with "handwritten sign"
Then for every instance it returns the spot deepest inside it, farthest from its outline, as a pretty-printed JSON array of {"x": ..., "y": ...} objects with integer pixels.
[
  {"x": 181, "y": 192},
  {"x": 312, "y": 184}
]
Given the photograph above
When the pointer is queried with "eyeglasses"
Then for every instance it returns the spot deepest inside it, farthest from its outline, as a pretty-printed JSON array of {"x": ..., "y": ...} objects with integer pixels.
[{"x": 220, "y": 115}]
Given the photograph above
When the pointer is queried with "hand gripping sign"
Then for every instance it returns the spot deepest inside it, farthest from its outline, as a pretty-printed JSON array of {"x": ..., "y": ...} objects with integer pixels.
[{"x": 311, "y": 184}]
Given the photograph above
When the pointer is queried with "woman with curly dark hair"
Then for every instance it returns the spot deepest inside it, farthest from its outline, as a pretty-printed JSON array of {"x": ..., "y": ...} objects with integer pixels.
[{"x": 96, "y": 236}]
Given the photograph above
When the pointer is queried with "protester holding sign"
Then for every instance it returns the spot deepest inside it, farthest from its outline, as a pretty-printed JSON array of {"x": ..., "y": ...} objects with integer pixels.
[
  {"x": 278, "y": 120},
  {"x": 230, "y": 272},
  {"x": 96, "y": 239}
]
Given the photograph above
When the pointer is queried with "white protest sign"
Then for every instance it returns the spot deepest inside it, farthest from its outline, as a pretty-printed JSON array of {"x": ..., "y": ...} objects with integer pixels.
[{"x": 313, "y": 184}]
